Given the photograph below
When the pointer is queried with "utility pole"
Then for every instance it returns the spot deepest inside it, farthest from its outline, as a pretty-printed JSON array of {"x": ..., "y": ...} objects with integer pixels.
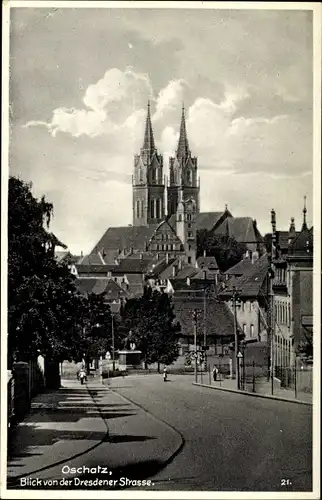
[
  {"x": 113, "y": 343},
  {"x": 234, "y": 297},
  {"x": 270, "y": 312}
]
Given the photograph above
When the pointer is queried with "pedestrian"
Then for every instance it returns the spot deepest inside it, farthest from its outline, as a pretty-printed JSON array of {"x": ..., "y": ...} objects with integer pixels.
[
  {"x": 165, "y": 374},
  {"x": 215, "y": 372}
]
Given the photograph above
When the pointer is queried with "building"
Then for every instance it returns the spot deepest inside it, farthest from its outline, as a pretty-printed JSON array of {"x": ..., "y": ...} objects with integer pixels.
[
  {"x": 169, "y": 229},
  {"x": 292, "y": 286}
]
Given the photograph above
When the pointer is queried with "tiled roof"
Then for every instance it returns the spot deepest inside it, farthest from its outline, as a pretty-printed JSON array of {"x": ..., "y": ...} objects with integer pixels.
[
  {"x": 123, "y": 238},
  {"x": 130, "y": 265},
  {"x": 251, "y": 282},
  {"x": 161, "y": 266},
  {"x": 94, "y": 270},
  {"x": 199, "y": 285},
  {"x": 209, "y": 262},
  {"x": 282, "y": 239},
  {"x": 92, "y": 259},
  {"x": 207, "y": 220},
  {"x": 186, "y": 272},
  {"x": 303, "y": 243},
  {"x": 210, "y": 274},
  {"x": 204, "y": 220},
  {"x": 219, "y": 320},
  {"x": 241, "y": 228},
  {"x": 110, "y": 289},
  {"x": 240, "y": 268}
]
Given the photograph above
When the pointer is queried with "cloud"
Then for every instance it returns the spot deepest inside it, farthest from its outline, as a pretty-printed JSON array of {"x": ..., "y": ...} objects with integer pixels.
[
  {"x": 169, "y": 98},
  {"x": 110, "y": 106}
]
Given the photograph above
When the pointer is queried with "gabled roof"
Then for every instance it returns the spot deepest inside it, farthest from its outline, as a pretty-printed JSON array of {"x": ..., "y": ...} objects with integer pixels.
[
  {"x": 241, "y": 228},
  {"x": 134, "y": 266},
  {"x": 110, "y": 289},
  {"x": 218, "y": 320},
  {"x": 283, "y": 237},
  {"x": 240, "y": 268},
  {"x": 207, "y": 220},
  {"x": 251, "y": 282},
  {"x": 161, "y": 266},
  {"x": 125, "y": 238}
]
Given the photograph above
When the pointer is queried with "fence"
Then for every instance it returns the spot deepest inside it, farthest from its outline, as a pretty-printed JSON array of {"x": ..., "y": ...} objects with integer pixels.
[{"x": 295, "y": 382}]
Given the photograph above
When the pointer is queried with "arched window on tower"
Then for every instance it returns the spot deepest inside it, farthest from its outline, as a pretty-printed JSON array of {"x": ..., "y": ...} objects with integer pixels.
[
  {"x": 158, "y": 209},
  {"x": 140, "y": 174},
  {"x": 189, "y": 177},
  {"x": 138, "y": 208},
  {"x": 152, "y": 211},
  {"x": 142, "y": 208},
  {"x": 154, "y": 174}
]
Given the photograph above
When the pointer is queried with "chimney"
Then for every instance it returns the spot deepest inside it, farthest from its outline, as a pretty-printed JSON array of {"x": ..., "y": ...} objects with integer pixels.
[{"x": 188, "y": 281}]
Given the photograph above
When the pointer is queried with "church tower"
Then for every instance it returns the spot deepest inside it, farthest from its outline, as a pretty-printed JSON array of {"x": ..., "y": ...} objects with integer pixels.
[
  {"x": 183, "y": 170},
  {"x": 186, "y": 227},
  {"x": 148, "y": 182}
]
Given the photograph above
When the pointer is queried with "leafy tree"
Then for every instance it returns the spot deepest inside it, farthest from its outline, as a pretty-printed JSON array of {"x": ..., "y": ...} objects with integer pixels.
[
  {"x": 305, "y": 347},
  {"x": 151, "y": 321},
  {"x": 225, "y": 249}
]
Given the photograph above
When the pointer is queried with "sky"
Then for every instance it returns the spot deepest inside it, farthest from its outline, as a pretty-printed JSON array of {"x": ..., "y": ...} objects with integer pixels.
[{"x": 80, "y": 80}]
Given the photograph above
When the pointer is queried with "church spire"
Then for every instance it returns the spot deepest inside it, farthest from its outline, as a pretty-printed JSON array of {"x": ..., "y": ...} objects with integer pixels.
[
  {"x": 183, "y": 145},
  {"x": 148, "y": 142},
  {"x": 304, "y": 225}
]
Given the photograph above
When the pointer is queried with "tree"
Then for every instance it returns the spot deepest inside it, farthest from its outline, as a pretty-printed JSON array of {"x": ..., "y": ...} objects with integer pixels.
[
  {"x": 151, "y": 321},
  {"x": 305, "y": 346},
  {"x": 43, "y": 304},
  {"x": 226, "y": 249}
]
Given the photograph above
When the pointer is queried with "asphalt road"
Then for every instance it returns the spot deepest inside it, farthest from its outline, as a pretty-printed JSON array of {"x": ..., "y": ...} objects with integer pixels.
[{"x": 231, "y": 442}]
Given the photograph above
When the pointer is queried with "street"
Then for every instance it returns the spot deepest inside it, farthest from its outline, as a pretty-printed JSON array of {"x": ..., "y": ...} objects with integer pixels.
[
  {"x": 182, "y": 437},
  {"x": 231, "y": 442}
]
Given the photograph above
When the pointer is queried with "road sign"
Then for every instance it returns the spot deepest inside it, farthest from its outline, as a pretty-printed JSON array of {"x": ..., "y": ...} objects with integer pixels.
[{"x": 239, "y": 355}]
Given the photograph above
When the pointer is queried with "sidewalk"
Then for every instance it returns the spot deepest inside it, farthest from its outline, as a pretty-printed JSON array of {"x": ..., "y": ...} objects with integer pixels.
[
  {"x": 262, "y": 388},
  {"x": 81, "y": 425}
]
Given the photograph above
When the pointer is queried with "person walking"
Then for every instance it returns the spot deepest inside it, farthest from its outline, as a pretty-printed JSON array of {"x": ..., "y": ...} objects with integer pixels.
[
  {"x": 215, "y": 372},
  {"x": 165, "y": 374}
]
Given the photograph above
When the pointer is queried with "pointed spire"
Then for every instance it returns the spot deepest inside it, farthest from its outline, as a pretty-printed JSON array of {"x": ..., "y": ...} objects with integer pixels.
[
  {"x": 183, "y": 145},
  {"x": 148, "y": 143},
  {"x": 304, "y": 225}
]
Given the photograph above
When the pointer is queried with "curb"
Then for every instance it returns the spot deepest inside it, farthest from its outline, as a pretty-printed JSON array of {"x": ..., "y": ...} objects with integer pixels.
[{"x": 254, "y": 394}]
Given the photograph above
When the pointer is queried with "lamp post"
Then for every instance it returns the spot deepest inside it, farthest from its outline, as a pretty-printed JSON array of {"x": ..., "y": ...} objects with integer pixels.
[
  {"x": 195, "y": 321},
  {"x": 113, "y": 342}
]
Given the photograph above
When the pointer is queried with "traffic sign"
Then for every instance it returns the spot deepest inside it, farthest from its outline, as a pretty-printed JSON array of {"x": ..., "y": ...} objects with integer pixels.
[{"x": 239, "y": 355}]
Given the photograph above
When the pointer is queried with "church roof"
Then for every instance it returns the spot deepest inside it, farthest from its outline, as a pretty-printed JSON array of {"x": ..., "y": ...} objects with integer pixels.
[
  {"x": 125, "y": 238},
  {"x": 94, "y": 269},
  {"x": 204, "y": 220},
  {"x": 241, "y": 228},
  {"x": 134, "y": 266}
]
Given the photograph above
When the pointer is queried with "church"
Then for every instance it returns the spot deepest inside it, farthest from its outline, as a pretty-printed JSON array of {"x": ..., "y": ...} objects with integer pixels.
[{"x": 166, "y": 215}]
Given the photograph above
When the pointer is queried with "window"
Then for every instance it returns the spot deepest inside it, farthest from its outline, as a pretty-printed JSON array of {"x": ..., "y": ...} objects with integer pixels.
[
  {"x": 189, "y": 217},
  {"x": 189, "y": 177},
  {"x": 189, "y": 260},
  {"x": 251, "y": 333},
  {"x": 140, "y": 175},
  {"x": 173, "y": 246},
  {"x": 152, "y": 209},
  {"x": 141, "y": 208},
  {"x": 154, "y": 174},
  {"x": 189, "y": 234},
  {"x": 180, "y": 218},
  {"x": 138, "y": 208},
  {"x": 189, "y": 247},
  {"x": 158, "y": 209}
]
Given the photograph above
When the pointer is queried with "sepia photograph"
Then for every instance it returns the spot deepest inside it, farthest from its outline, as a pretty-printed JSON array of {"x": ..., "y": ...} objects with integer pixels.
[{"x": 160, "y": 250}]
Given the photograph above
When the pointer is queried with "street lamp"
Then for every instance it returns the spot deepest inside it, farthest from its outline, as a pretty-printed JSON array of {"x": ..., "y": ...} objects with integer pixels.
[
  {"x": 195, "y": 322},
  {"x": 114, "y": 307}
]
